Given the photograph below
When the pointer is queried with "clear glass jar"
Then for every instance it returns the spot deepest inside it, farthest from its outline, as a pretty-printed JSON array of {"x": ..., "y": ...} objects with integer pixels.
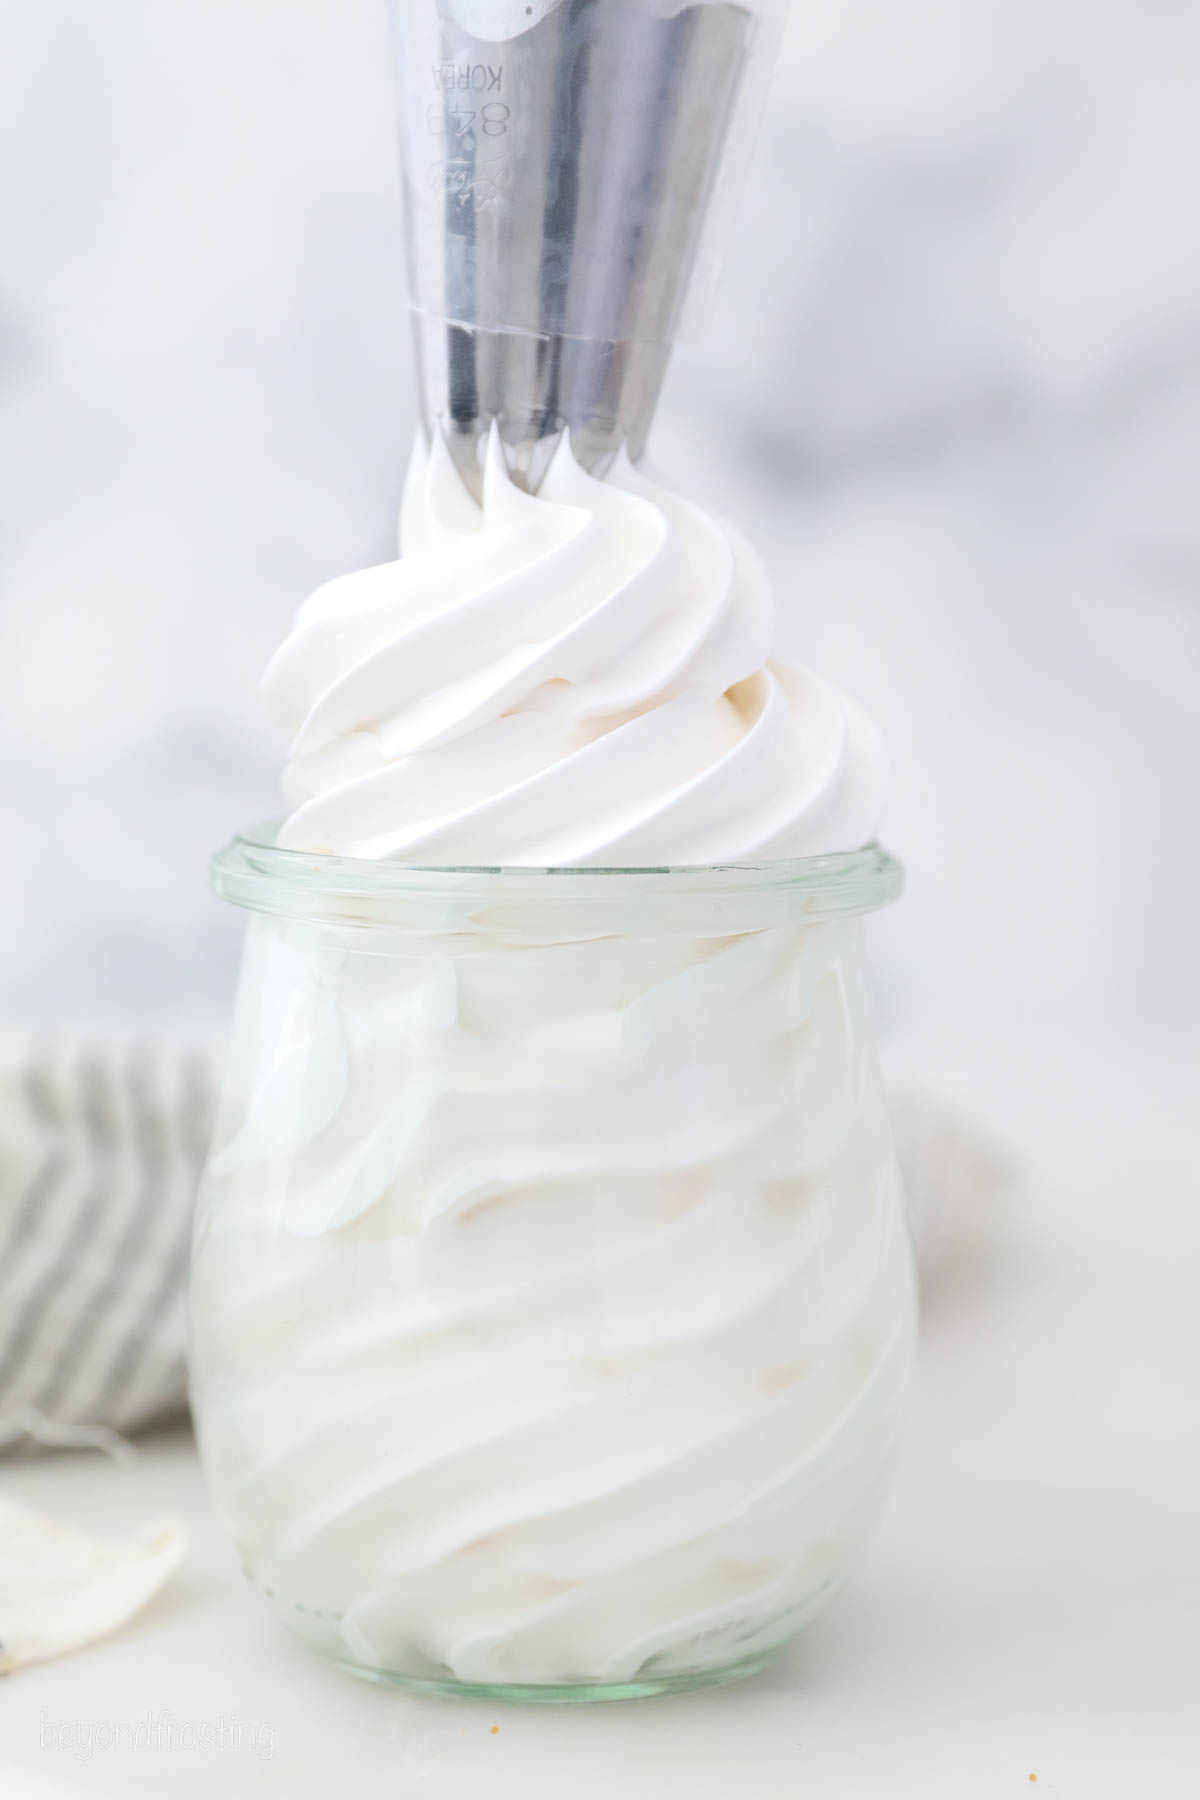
[{"x": 552, "y": 1302}]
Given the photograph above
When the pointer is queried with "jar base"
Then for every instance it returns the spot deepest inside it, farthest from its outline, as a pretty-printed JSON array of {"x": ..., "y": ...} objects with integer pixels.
[
  {"x": 318, "y": 1631},
  {"x": 555, "y": 1694}
]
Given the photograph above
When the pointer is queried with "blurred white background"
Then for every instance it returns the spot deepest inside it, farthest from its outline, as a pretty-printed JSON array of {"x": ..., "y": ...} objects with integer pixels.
[{"x": 952, "y": 389}]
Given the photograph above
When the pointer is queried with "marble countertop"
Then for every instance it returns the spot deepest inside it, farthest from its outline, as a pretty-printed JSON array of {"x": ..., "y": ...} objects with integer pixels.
[{"x": 1030, "y": 1607}]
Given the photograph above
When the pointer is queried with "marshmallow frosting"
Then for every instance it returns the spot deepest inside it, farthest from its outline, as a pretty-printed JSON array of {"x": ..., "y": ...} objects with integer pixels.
[
  {"x": 552, "y": 1302},
  {"x": 576, "y": 677}
]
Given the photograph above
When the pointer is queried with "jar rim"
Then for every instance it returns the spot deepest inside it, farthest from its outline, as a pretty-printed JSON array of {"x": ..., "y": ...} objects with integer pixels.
[{"x": 254, "y": 872}]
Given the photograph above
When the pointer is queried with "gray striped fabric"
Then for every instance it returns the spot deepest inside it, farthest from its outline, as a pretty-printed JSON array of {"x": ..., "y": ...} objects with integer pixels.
[{"x": 101, "y": 1148}]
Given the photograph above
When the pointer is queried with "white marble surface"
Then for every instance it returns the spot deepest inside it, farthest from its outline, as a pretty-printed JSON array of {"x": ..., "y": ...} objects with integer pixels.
[
  {"x": 952, "y": 385},
  {"x": 1030, "y": 1607}
]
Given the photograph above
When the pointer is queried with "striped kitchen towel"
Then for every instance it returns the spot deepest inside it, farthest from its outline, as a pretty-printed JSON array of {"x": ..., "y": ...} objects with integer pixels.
[{"x": 101, "y": 1147}]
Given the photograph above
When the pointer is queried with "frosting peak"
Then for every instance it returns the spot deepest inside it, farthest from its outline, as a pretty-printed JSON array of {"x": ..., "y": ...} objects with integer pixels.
[{"x": 579, "y": 676}]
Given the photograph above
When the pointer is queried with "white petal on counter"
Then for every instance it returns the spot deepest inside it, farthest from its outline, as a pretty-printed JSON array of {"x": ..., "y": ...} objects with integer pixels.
[{"x": 61, "y": 1588}]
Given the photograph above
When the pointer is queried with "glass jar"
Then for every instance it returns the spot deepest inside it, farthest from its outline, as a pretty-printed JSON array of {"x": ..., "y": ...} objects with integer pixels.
[{"x": 552, "y": 1302}]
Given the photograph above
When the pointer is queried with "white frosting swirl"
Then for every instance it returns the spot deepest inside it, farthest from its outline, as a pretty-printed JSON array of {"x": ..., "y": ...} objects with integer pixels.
[
  {"x": 576, "y": 677},
  {"x": 552, "y": 1305}
]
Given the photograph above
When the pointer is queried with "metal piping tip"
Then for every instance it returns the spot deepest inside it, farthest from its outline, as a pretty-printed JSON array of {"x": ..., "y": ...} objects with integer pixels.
[{"x": 556, "y": 186}]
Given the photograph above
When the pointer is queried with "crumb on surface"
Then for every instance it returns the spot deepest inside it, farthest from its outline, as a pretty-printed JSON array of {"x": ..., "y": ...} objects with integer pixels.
[{"x": 495, "y": 1729}]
